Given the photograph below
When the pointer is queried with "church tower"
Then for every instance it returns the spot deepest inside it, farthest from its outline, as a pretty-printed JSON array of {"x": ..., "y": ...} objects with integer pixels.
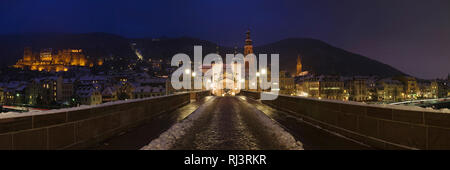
[
  {"x": 299, "y": 66},
  {"x": 248, "y": 48}
]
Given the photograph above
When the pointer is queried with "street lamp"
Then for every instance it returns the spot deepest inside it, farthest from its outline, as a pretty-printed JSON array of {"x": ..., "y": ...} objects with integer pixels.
[{"x": 188, "y": 71}]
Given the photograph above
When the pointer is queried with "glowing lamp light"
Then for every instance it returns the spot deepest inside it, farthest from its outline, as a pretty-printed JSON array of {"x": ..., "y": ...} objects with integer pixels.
[
  {"x": 263, "y": 71},
  {"x": 304, "y": 94},
  {"x": 187, "y": 71},
  {"x": 193, "y": 74},
  {"x": 257, "y": 74}
]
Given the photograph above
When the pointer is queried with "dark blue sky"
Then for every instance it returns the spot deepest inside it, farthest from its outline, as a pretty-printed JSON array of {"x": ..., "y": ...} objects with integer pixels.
[{"x": 411, "y": 35}]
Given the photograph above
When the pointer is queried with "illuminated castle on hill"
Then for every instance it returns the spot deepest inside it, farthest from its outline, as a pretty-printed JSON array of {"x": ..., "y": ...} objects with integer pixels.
[{"x": 50, "y": 60}]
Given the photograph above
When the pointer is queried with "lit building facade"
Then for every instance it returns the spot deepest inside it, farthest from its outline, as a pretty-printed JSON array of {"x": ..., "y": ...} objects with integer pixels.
[
  {"x": 332, "y": 88},
  {"x": 287, "y": 85},
  {"x": 2, "y": 96},
  {"x": 443, "y": 88},
  {"x": 89, "y": 95},
  {"x": 65, "y": 90},
  {"x": 308, "y": 87},
  {"x": 410, "y": 87},
  {"x": 43, "y": 91},
  {"x": 358, "y": 90},
  {"x": 389, "y": 90},
  {"x": 322, "y": 87}
]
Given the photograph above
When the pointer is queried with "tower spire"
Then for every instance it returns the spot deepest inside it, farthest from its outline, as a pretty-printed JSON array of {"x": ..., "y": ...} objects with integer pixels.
[
  {"x": 248, "y": 48},
  {"x": 299, "y": 65}
]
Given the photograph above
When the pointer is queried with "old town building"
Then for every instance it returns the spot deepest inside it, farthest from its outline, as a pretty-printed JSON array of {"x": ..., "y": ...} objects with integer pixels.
[{"x": 389, "y": 90}]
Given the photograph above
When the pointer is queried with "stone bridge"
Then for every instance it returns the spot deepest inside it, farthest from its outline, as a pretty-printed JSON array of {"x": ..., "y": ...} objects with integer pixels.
[{"x": 196, "y": 120}]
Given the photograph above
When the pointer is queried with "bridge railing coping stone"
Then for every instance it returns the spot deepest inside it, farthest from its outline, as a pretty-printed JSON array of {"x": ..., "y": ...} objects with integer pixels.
[{"x": 381, "y": 126}]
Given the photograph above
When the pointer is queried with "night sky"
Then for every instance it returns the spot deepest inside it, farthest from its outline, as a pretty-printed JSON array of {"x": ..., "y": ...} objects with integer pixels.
[{"x": 411, "y": 35}]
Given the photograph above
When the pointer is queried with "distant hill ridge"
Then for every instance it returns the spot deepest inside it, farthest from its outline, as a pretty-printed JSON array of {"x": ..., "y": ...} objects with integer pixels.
[{"x": 317, "y": 56}]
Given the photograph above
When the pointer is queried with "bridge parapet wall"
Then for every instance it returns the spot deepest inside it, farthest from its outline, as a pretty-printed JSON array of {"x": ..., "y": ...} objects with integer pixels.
[
  {"x": 380, "y": 126},
  {"x": 81, "y": 127},
  {"x": 197, "y": 95},
  {"x": 254, "y": 95}
]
